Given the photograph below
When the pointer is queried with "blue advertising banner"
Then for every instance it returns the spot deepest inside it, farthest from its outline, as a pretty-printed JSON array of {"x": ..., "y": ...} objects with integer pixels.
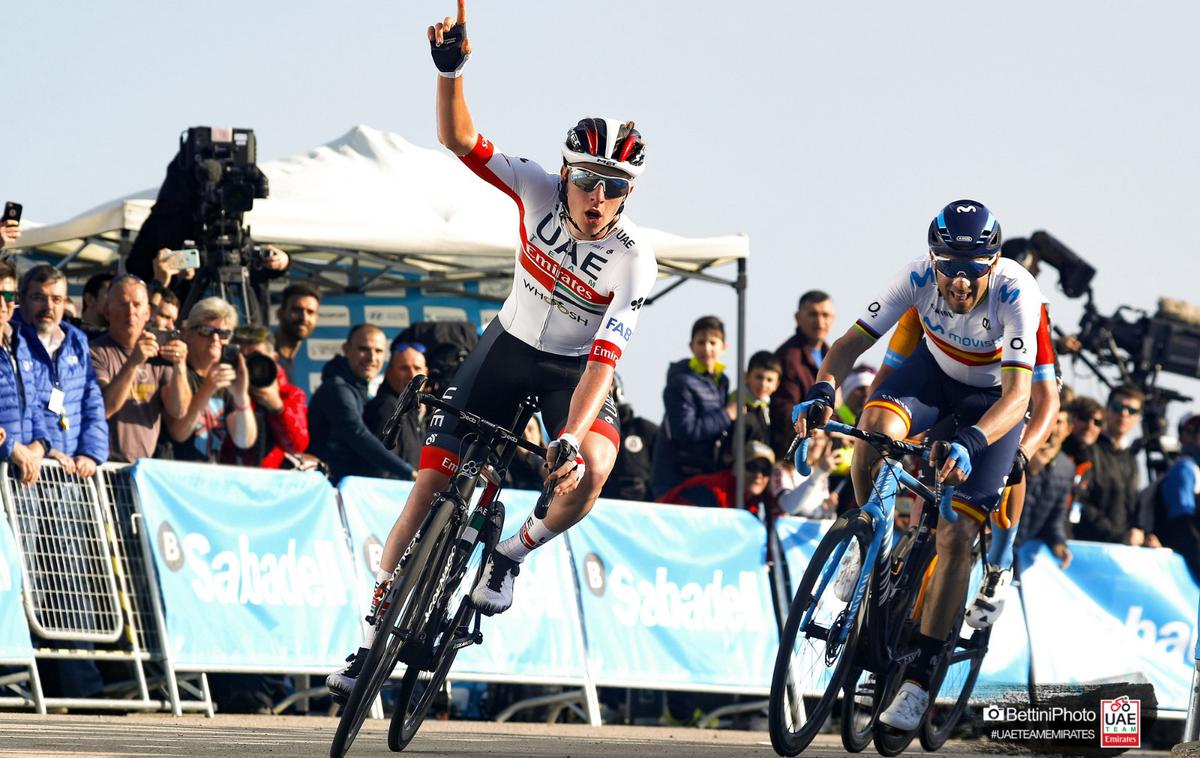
[
  {"x": 675, "y": 597},
  {"x": 252, "y": 564},
  {"x": 539, "y": 639},
  {"x": 14, "y": 629},
  {"x": 1117, "y": 613},
  {"x": 798, "y": 537}
]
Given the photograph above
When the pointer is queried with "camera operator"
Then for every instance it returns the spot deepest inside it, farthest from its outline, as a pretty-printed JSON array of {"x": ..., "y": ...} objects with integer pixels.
[
  {"x": 280, "y": 408},
  {"x": 178, "y": 215},
  {"x": 219, "y": 412},
  {"x": 142, "y": 374}
]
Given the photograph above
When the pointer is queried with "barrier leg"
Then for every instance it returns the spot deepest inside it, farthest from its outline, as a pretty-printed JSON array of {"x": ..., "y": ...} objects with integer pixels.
[
  {"x": 710, "y": 719},
  {"x": 1191, "y": 727}
]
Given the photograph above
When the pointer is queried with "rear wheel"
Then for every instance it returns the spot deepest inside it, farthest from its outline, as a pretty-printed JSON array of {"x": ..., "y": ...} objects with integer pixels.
[
  {"x": 814, "y": 656},
  {"x": 859, "y": 710},
  {"x": 951, "y": 686}
]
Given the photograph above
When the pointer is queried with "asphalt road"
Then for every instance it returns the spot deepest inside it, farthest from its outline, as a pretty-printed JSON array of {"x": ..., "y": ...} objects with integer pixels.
[{"x": 163, "y": 737}]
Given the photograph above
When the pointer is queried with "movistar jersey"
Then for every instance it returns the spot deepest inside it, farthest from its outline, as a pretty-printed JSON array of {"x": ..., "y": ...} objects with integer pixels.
[
  {"x": 569, "y": 297},
  {"x": 1000, "y": 333}
]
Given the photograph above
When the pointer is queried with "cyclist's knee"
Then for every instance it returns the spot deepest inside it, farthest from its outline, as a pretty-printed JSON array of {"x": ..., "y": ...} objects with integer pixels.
[{"x": 879, "y": 419}]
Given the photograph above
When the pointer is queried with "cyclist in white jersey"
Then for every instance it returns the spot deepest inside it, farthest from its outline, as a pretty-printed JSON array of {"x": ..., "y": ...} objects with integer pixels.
[
  {"x": 581, "y": 277},
  {"x": 979, "y": 314}
]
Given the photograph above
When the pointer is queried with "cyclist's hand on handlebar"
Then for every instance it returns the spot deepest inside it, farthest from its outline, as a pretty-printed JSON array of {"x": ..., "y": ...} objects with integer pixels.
[
  {"x": 570, "y": 467},
  {"x": 957, "y": 466},
  {"x": 804, "y": 415}
]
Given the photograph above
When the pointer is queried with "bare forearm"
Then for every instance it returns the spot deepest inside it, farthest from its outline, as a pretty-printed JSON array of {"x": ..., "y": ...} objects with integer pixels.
[
  {"x": 456, "y": 128},
  {"x": 1008, "y": 411},
  {"x": 116, "y": 392},
  {"x": 242, "y": 425},
  {"x": 588, "y": 398},
  {"x": 842, "y": 356},
  {"x": 177, "y": 395},
  {"x": 1041, "y": 423},
  {"x": 180, "y": 428}
]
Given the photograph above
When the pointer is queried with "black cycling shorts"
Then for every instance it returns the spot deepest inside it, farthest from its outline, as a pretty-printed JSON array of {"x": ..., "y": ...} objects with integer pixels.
[{"x": 492, "y": 382}]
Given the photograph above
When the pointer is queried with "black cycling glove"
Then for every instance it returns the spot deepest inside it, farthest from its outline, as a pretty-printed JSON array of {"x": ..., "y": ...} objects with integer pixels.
[
  {"x": 1018, "y": 470},
  {"x": 450, "y": 57}
]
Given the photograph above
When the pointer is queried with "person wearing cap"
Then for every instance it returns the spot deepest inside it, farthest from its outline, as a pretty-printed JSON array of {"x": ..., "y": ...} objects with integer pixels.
[
  {"x": 719, "y": 489},
  {"x": 407, "y": 361},
  {"x": 810, "y": 496},
  {"x": 854, "y": 393},
  {"x": 1177, "y": 493}
]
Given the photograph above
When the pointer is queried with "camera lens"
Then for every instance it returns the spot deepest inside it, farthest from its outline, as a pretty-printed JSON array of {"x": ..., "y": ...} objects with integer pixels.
[{"x": 262, "y": 370}]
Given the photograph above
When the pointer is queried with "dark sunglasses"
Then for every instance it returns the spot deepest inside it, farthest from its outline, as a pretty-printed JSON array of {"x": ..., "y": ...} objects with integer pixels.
[
  {"x": 969, "y": 268},
  {"x": 208, "y": 331},
  {"x": 1132, "y": 410},
  {"x": 1094, "y": 421},
  {"x": 8, "y": 295},
  {"x": 759, "y": 467},
  {"x": 400, "y": 347},
  {"x": 587, "y": 181}
]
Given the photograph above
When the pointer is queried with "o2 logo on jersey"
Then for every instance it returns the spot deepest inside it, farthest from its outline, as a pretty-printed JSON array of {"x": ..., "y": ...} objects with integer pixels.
[
  {"x": 1017, "y": 344},
  {"x": 637, "y": 304},
  {"x": 873, "y": 309},
  {"x": 620, "y": 328},
  {"x": 1008, "y": 296}
]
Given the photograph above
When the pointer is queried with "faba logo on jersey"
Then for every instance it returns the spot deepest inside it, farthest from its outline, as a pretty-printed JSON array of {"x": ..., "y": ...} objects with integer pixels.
[{"x": 716, "y": 606}]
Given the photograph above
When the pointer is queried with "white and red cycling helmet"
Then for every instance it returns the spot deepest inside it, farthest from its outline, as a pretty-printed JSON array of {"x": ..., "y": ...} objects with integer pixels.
[{"x": 606, "y": 142}]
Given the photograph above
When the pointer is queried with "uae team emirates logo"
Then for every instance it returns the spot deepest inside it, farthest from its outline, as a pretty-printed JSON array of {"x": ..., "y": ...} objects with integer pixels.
[{"x": 1121, "y": 723}]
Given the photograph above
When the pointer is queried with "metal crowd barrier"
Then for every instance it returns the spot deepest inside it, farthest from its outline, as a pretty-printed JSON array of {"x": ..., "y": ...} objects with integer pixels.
[{"x": 87, "y": 577}]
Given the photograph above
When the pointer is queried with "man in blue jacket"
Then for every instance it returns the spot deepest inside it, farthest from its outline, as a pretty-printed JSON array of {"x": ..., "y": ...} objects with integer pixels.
[
  {"x": 337, "y": 433},
  {"x": 67, "y": 391},
  {"x": 68, "y": 398},
  {"x": 698, "y": 414},
  {"x": 18, "y": 417}
]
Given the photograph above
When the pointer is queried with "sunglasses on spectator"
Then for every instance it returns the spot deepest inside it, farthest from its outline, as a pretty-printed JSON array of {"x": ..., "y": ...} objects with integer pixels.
[
  {"x": 8, "y": 295},
  {"x": 1094, "y": 421},
  {"x": 969, "y": 268},
  {"x": 587, "y": 181},
  {"x": 1132, "y": 410},
  {"x": 208, "y": 331},
  {"x": 400, "y": 347},
  {"x": 758, "y": 467}
]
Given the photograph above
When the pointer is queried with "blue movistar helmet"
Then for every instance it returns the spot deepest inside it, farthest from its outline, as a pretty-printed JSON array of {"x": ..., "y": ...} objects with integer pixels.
[{"x": 964, "y": 229}]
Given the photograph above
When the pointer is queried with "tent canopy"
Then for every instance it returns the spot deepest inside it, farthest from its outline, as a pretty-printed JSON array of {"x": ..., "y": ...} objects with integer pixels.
[{"x": 368, "y": 211}]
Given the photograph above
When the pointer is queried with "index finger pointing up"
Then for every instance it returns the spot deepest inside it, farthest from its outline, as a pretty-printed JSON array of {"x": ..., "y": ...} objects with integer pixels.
[{"x": 462, "y": 11}]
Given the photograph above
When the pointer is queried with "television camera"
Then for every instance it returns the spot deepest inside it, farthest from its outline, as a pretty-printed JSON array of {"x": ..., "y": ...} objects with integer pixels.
[{"x": 1139, "y": 344}]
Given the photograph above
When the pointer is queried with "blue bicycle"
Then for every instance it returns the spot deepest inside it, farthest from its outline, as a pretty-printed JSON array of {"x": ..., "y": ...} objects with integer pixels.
[{"x": 848, "y": 633}]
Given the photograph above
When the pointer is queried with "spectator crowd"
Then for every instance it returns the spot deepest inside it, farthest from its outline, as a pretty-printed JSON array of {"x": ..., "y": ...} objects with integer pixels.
[{"x": 129, "y": 376}]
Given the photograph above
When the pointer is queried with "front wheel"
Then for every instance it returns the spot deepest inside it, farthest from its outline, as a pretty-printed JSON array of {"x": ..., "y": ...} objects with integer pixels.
[
  {"x": 812, "y": 662},
  {"x": 417, "y": 693}
]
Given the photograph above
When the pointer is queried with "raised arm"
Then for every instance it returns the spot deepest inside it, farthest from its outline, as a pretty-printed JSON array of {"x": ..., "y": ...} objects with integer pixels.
[{"x": 450, "y": 48}]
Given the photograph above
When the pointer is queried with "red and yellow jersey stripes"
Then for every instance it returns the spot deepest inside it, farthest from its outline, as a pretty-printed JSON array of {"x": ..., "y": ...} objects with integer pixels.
[
  {"x": 569, "y": 297},
  {"x": 1000, "y": 334}
]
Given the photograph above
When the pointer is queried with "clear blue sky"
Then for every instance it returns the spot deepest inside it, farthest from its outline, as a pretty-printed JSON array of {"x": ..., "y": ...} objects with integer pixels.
[{"x": 828, "y": 132}]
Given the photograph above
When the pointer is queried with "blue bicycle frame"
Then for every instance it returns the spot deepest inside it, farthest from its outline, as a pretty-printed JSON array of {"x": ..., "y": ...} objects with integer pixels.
[{"x": 881, "y": 510}]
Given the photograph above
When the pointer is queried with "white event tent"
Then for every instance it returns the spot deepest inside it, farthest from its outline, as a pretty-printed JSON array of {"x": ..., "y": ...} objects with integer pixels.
[{"x": 371, "y": 212}]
